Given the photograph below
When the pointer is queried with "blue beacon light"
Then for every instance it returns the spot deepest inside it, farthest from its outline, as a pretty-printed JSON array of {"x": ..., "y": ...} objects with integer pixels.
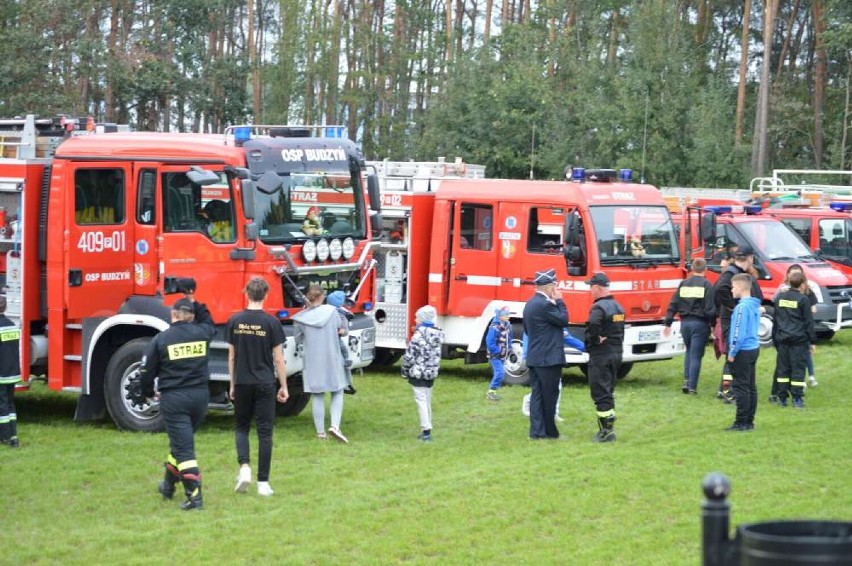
[
  {"x": 841, "y": 206},
  {"x": 578, "y": 174},
  {"x": 242, "y": 135},
  {"x": 626, "y": 175}
]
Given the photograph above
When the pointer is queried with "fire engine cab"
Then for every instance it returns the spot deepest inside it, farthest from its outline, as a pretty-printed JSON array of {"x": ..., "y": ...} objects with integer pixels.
[
  {"x": 97, "y": 229},
  {"x": 468, "y": 245}
]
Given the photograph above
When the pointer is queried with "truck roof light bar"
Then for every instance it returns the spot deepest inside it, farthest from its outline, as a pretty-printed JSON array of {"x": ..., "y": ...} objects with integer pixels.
[
  {"x": 243, "y": 132},
  {"x": 841, "y": 206}
]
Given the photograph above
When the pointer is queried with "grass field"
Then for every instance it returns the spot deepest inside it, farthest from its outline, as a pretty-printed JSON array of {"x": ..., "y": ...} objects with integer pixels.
[{"x": 481, "y": 492}]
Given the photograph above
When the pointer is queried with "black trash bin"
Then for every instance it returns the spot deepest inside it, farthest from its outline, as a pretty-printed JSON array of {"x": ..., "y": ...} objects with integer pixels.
[{"x": 795, "y": 543}]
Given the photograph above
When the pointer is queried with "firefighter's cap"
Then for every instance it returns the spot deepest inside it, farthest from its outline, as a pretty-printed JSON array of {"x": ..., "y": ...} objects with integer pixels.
[
  {"x": 743, "y": 251},
  {"x": 183, "y": 305},
  {"x": 545, "y": 277},
  {"x": 599, "y": 279}
]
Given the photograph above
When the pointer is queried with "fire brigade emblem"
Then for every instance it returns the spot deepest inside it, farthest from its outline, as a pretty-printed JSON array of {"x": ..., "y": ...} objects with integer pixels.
[
  {"x": 142, "y": 273},
  {"x": 142, "y": 247},
  {"x": 511, "y": 222},
  {"x": 507, "y": 249}
]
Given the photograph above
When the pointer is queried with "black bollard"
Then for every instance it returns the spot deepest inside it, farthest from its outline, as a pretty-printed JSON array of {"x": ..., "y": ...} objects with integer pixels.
[{"x": 715, "y": 520}]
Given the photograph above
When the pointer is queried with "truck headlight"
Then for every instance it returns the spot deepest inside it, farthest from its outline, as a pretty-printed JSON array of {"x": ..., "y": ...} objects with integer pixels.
[{"x": 309, "y": 251}]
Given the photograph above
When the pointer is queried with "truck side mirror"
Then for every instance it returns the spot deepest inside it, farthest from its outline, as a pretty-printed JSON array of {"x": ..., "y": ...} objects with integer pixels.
[
  {"x": 376, "y": 225},
  {"x": 202, "y": 177},
  {"x": 252, "y": 231},
  {"x": 708, "y": 227},
  {"x": 269, "y": 183},
  {"x": 248, "y": 198},
  {"x": 373, "y": 192},
  {"x": 572, "y": 229}
]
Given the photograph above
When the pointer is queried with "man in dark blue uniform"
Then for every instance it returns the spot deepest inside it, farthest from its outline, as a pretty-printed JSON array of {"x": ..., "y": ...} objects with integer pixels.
[
  {"x": 604, "y": 339},
  {"x": 545, "y": 316},
  {"x": 177, "y": 357}
]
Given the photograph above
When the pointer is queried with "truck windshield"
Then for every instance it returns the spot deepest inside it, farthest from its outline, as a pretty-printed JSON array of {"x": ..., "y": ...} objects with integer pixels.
[
  {"x": 775, "y": 240},
  {"x": 634, "y": 234},
  {"x": 311, "y": 204}
]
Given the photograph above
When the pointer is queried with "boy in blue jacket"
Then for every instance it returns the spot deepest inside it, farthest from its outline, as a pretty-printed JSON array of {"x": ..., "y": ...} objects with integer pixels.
[
  {"x": 743, "y": 351},
  {"x": 497, "y": 340}
]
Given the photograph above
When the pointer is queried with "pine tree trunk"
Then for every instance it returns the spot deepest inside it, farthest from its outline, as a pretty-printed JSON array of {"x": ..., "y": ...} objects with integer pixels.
[{"x": 741, "y": 87}]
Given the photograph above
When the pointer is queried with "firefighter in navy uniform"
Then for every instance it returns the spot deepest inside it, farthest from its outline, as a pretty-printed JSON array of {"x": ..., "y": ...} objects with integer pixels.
[
  {"x": 604, "y": 338},
  {"x": 177, "y": 356},
  {"x": 794, "y": 336},
  {"x": 695, "y": 304}
]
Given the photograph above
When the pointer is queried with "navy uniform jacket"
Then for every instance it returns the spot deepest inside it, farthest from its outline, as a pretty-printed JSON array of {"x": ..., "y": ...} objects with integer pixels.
[
  {"x": 794, "y": 323},
  {"x": 543, "y": 324},
  {"x": 693, "y": 298},
  {"x": 178, "y": 356},
  {"x": 606, "y": 319}
]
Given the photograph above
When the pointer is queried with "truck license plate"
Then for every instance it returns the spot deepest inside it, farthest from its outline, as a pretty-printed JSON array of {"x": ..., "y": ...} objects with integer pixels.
[{"x": 649, "y": 335}]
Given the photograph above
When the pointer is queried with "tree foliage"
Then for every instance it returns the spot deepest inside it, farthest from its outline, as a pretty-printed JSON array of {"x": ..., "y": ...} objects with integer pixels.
[{"x": 651, "y": 85}]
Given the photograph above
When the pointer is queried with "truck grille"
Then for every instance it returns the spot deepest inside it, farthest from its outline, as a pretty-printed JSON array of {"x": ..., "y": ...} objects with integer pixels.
[{"x": 840, "y": 293}]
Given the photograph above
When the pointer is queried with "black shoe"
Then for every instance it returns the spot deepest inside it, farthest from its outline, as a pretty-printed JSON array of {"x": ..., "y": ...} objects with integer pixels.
[
  {"x": 192, "y": 503},
  {"x": 349, "y": 390},
  {"x": 14, "y": 443},
  {"x": 773, "y": 399},
  {"x": 749, "y": 426},
  {"x": 737, "y": 427},
  {"x": 604, "y": 435},
  {"x": 166, "y": 490},
  {"x": 684, "y": 388},
  {"x": 693, "y": 392}
]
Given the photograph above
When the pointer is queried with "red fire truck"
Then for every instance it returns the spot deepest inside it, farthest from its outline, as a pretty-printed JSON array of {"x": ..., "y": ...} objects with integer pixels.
[
  {"x": 726, "y": 225},
  {"x": 99, "y": 228},
  {"x": 468, "y": 245}
]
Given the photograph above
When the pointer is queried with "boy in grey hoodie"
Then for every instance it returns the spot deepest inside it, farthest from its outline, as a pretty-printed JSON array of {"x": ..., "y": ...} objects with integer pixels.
[{"x": 420, "y": 365}]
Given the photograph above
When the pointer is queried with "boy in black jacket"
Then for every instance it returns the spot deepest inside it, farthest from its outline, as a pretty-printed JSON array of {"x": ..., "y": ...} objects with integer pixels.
[{"x": 795, "y": 337}]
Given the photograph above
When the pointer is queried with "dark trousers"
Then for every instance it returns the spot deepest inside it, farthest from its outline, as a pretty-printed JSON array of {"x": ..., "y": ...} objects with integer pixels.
[
  {"x": 745, "y": 388},
  {"x": 8, "y": 417},
  {"x": 545, "y": 392},
  {"x": 258, "y": 401},
  {"x": 603, "y": 372},
  {"x": 183, "y": 412},
  {"x": 791, "y": 364},
  {"x": 696, "y": 332},
  {"x": 727, "y": 373}
]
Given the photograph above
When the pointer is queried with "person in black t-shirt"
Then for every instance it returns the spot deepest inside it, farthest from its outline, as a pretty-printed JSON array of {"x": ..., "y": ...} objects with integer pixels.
[{"x": 255, "y": 360}]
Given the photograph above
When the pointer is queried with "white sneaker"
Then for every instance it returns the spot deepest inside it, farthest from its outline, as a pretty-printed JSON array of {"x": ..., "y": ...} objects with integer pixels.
[
  {"x": 335, "y": 433},
  {"x": 264, "y": 489},
  {"x": 243, "y": 479},
  {"x": 559, "y": 419},
  {"x": 812, "y": 382}
]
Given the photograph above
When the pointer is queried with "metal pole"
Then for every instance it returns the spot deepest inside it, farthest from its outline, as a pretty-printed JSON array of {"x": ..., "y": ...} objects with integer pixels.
[{"x": 715, "y": 519}]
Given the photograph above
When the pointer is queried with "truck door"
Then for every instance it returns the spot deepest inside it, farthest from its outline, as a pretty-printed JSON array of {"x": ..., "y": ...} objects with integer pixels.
[
  {"x": 196, "y": 239},
  {"x": 510, "y": 255},
  {"x": 541, "y": 247},
  {"x": 99, "y": 240},
  {"x": 473, "y": 277},
  {"x": 145, "y": 264}
]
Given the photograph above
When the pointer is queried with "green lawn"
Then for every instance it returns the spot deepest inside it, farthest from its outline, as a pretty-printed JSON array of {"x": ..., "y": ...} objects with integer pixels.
[{"x": 480, "y": 492}]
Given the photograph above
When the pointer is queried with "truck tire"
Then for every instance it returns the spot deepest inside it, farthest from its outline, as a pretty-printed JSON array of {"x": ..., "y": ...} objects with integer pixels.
[
  {"x": 129, "y": 409},
  {"x": 294, "y": 405},
  {"x": 517, "y": 372},
  {"x": 385, "y": 357},
  {"x": 767, "y": 321}
]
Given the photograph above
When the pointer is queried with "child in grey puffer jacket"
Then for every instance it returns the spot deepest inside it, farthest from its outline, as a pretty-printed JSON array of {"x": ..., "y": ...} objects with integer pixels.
[{"x": 420, "y": 365}]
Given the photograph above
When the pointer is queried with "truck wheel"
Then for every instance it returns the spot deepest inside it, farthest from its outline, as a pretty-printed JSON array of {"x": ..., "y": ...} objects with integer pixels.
[
  {"x": 624, "y": 369},
  {"x": 129, "y": 409},
  {"x": 294, "y": 405},
  {"x": 764, "y": 332},
  {"x": 386, "y": 357},
  {"x": 517, "y": 372}
]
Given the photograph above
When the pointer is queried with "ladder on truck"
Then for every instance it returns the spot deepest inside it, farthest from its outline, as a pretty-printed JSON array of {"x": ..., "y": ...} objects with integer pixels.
[
  {"x": 416, "y": 175},
  {"x": 801, "y": 183}
]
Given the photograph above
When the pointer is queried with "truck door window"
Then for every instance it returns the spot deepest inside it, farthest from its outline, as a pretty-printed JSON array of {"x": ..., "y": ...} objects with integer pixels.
[
  {"x": 727, "y": 242},
  {"x": 188, "y": 207},
  {"x": 629, "y": 233},
  {"x": 146, "y": 199},
  {"x": 476, "y": 227},
  {"x": 834, "y": 239},
  {"x": 545, "y": 228},
  {"x": 99, "y": 196}
]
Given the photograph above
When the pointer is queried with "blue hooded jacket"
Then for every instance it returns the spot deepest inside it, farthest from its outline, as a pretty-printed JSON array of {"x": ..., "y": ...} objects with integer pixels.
[{"x": 745, "y": 322}]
